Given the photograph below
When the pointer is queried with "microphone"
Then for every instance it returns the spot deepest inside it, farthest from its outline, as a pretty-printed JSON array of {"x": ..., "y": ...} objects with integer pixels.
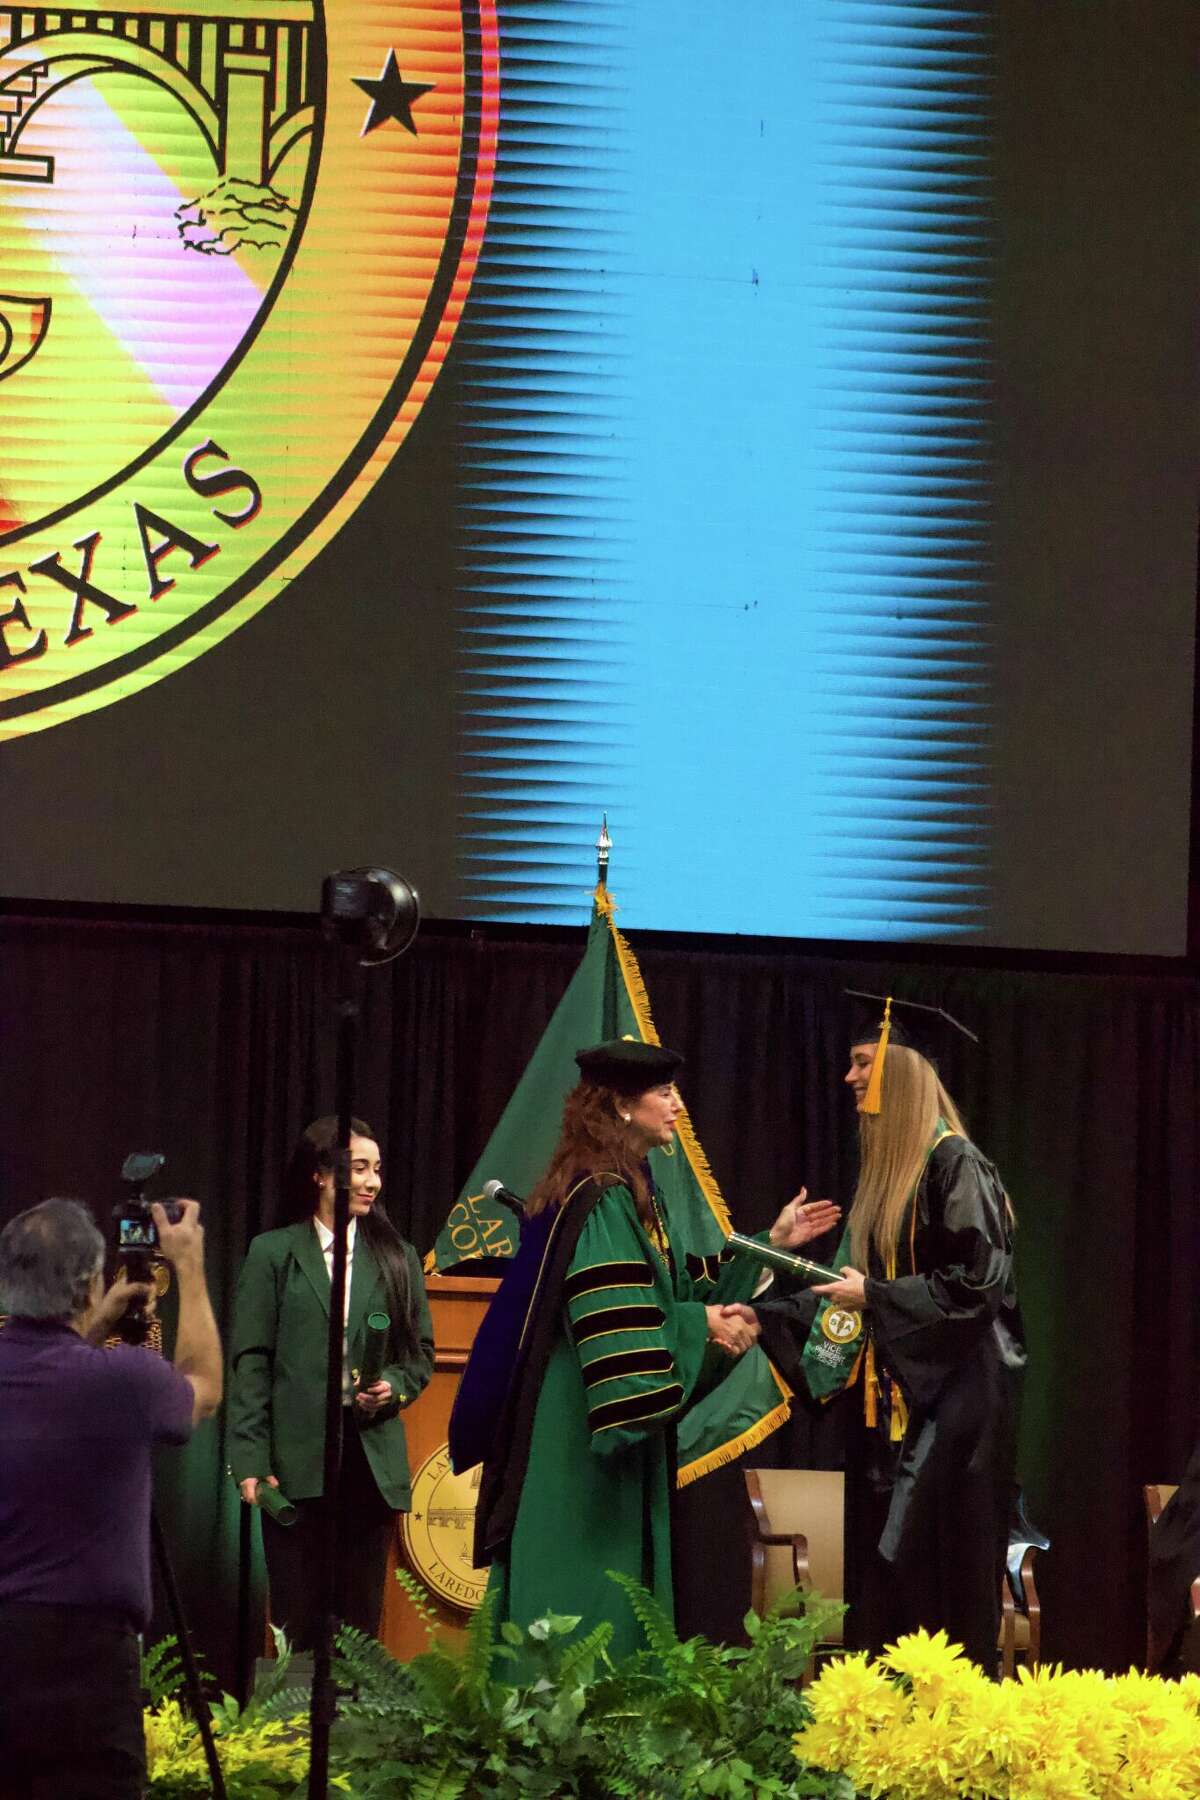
[{"x": 496, "y": 1190}]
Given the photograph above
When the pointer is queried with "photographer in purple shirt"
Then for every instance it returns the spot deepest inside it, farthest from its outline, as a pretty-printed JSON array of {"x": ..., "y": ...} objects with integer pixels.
[{"x": 78, "y": 1424}]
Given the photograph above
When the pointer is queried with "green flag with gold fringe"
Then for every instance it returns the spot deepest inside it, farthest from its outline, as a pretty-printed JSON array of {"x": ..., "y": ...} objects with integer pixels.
[{"x": 607, "y": 998}]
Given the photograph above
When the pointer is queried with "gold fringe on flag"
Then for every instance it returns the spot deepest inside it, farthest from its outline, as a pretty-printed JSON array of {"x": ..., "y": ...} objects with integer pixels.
[
  {"x": 746, "y": 1440},
  {"x": 639, "y": 1000}
]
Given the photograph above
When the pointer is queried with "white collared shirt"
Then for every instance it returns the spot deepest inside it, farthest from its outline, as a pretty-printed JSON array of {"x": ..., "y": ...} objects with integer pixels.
[{"x": 325, "y": 1239}]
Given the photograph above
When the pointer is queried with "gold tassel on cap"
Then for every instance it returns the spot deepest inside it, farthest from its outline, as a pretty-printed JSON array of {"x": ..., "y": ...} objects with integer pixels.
[{"x": 871, "y": 1099}]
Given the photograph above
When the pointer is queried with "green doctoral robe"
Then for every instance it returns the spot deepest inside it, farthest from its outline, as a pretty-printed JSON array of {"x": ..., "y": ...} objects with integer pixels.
[{"x": 630, "y": 1354}]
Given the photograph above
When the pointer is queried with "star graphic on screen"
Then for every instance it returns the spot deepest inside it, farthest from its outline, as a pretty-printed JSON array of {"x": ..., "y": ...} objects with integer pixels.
[{"x": 391, "y": 96}]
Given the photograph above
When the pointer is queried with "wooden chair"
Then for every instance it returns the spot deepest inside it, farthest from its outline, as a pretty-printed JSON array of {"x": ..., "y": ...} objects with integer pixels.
[
  {"x": 1155, "y": 1495},
  {"x": 1020, "y": 1612},
  {"x": 798, "y": 1539},
  {"x": 799, "y": 1542}
]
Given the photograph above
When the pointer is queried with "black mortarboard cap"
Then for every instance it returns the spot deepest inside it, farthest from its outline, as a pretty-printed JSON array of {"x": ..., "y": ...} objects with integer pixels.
[
  {"x": 628, "y": 1066},
  {"x": 882, "y": 1019}
]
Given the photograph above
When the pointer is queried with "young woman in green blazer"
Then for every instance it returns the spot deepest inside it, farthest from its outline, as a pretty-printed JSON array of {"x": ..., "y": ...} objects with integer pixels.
[{"x": 276, "y": 1419}]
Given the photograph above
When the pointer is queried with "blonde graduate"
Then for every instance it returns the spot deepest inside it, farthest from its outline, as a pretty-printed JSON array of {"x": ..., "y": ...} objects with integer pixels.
[{"x": 894, "y": 1144}]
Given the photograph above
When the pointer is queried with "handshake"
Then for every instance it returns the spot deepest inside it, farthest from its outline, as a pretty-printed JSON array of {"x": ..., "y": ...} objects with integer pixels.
[{"x": 733, "y": 1328}]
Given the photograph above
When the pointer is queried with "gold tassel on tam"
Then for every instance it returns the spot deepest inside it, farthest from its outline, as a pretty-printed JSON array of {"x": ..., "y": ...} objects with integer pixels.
[{"x": 871, "y": 1099}]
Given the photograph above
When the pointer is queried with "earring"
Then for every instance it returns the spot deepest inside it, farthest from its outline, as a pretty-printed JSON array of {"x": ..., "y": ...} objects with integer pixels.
[{"x": 626, "y": 1118}]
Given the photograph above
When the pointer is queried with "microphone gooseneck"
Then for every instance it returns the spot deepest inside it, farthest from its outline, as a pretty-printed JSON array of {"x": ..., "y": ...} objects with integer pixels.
[{"x": 499, "y": 1195}]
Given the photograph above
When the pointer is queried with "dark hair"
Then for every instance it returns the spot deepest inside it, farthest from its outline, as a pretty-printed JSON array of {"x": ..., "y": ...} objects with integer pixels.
[
  {"x": 312, "y": 1157},
  {"x": 594, "y": 1140},
  {"x": 49, "y": 1257}
]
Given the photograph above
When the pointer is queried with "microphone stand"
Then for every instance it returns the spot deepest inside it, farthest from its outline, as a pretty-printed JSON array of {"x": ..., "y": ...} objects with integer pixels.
[{"x": 323, "y": 1708}]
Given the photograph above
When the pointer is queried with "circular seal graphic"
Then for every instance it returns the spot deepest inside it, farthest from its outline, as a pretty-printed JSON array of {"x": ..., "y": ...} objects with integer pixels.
[
  {"x": 840, "y": 1326},
  {"x": 439, "y": 1531},
  {"x": 236, "y": 243}
]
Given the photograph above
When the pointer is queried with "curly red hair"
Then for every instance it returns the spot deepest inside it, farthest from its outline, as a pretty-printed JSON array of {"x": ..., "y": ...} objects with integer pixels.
[{"x": 594, "y": 1140}]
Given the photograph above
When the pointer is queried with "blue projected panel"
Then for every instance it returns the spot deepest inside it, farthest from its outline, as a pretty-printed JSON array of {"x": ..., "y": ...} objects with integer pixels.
[{"x": 725, "y": 471}]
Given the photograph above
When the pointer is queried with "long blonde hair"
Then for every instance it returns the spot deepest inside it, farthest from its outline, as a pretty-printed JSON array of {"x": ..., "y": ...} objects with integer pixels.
[{"x": 895, "y": 1143}]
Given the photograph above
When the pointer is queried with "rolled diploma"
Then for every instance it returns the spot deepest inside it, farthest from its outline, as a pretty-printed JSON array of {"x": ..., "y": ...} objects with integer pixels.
[{"x": 786, "y": 1262}]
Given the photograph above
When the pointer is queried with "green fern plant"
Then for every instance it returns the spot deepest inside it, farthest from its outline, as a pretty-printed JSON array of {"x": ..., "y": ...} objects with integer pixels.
[
  {"x": 418, "y": 1597},
  {"x": 161, "y": 1671},
  {"x": 544, "y": 1713},
  {"x": 366, "y": 1672},
  {"x": 442, "y": 1783}
]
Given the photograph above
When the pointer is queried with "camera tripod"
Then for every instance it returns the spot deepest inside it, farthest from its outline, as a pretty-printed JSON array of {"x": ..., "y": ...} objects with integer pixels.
[
  {"x": 136, "y": 1244},
  {"x": 191, "y": 1673}
]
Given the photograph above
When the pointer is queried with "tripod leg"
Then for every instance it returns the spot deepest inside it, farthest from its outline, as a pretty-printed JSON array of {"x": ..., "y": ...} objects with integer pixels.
[
  {"x": 245, "y": 1622},
  {"x": 191, "y": 1674}
]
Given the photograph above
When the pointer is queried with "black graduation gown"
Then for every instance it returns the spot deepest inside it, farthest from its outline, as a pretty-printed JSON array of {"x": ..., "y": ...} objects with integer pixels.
[
  {"x": 927, "y": 1518},
  {"x": 1174, "y": 1565}
]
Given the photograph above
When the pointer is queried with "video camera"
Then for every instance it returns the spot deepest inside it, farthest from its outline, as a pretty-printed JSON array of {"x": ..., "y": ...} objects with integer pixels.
[{"x": 137, "y": 1234}]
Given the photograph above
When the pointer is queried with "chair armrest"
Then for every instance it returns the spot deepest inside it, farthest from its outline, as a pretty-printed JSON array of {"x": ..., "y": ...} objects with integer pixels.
[
  {"x": 765, "y": 1537},
  {"x": 1033, "y": 1603}
]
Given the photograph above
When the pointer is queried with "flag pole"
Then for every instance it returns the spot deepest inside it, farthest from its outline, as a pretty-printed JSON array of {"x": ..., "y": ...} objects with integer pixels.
[{"x": 603, "y": 846}]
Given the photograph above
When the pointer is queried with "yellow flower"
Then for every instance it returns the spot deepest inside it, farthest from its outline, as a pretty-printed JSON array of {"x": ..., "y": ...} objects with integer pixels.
[
  {"x": 922, "y": 1760},
  {"x": 921, "y": 1655},
  {"x": 1057, "y": 1781},
  {"x": 848, "y": 1683},
  {"x": 1188, "y": 1689},
  {"x": 935, "y": 1729}
]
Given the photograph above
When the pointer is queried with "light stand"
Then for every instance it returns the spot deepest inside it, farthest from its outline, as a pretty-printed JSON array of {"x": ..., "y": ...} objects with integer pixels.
[{"x": 370, "y": 916}]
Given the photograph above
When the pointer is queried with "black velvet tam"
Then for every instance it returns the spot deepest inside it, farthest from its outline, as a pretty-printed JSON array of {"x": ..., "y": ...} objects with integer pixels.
[{"x": 628, "y": 1066}]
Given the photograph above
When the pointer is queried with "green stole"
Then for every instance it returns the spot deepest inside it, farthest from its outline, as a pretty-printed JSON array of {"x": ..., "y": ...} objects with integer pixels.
[{"x": 837, "y": 1337}]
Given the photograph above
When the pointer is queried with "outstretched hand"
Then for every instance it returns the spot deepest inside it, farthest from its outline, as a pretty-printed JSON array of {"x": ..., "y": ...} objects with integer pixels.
[{"x": 802, "y": 1220}]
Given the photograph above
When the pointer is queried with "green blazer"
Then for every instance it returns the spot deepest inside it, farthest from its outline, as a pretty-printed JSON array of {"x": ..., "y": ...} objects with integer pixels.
[{"x": 276, "y": 1405}]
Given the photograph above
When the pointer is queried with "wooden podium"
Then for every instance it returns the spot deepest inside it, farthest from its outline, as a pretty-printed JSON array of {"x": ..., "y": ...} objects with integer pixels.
[{"x": 457, "y": 1306}]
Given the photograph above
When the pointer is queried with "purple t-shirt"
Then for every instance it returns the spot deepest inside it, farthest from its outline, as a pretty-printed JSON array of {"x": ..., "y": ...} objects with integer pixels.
[{"x": 77, "y": 1427}]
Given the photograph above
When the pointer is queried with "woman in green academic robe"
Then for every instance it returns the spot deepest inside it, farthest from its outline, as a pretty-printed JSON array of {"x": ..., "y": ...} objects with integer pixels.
[
  {"x": 276, "y": 1418},
  {"x": 616, "y": 1338}
]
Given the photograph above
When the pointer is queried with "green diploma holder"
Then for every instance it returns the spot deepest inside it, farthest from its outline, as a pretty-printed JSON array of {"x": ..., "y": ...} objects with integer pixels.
[
  {"x": 374, "y": 1351},
  {"x": 781, "y": 1262},
  {"x": 270, "y": 1500}
]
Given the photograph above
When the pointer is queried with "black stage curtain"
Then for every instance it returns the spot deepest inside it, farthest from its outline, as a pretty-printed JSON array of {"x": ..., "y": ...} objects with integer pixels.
[{"x": 213, "y": 1042}]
